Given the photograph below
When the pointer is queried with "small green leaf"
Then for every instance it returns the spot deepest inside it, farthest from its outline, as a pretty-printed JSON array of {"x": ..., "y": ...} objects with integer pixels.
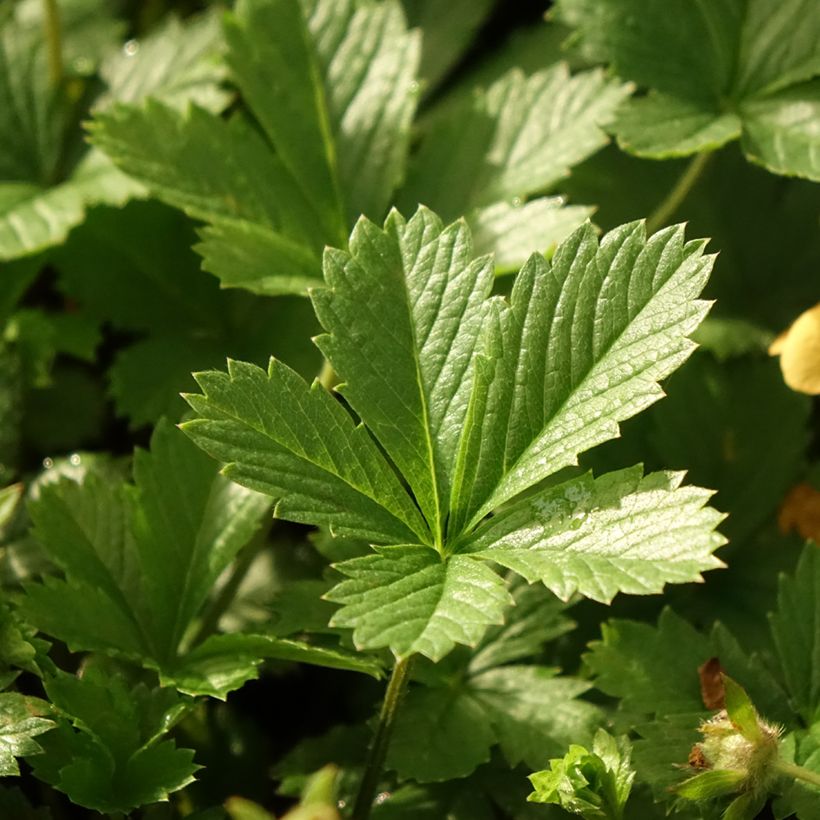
[
  {"x": 20, "y": 722},
  {"x": 593, "y": 784},
  {"x": 741, "y": 711},
  {"x": 517, "y": 138},
  {"x": 113, "y": 760},
  {"x": 707, "y": 785},
  {"x": 412, "y": 600},
  {"x": 746, "y": 807}
]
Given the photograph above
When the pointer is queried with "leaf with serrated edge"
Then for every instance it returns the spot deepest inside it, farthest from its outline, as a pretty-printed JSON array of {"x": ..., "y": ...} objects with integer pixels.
[
  {"x": 20, "y": 723},
  {"x": 403, "y": 311},
  {"x": 795, "y": 626},
  {"x": 410, "y": 599},
  {"x": 517, "y": 138},
  {"x": 582, "y": 347},
  {"x": 715, "y": 71},
  {"x": 620, "y": 532},
  {"x": 298, "y": 444}
]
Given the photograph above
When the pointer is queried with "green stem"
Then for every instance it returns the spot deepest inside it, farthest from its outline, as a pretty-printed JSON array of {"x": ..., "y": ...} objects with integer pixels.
[
  {"x": 674, "y": 199},
  {"x": 54, "y": 41},
  {"x": 381, "y": 740},
  {"x": 798, "y": 772}
]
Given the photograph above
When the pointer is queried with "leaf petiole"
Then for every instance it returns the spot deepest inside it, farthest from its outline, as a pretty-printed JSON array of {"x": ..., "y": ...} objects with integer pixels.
[
  {"x": 396, "y": 688},
  {"x": 680, "y": 190},
  {"x": 798, "y": 772},
  {"x": 54, "y": 41}
]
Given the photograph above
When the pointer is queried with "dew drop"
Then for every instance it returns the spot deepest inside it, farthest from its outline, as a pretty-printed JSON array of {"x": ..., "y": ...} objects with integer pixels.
[
  {"x": 516, "y": 202},
  {"x": 48, "y": 463},
  {"x": 75, "y": 460},
  {"x": 381, "y": 797},
  {"x": 415, "y": 86},
  {"x": 130, "y": 48},
  {"x": 340, "y": 804}
]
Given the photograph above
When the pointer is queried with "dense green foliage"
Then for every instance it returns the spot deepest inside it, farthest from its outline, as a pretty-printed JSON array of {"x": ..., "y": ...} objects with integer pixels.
[{"x": 436, "y": 472}]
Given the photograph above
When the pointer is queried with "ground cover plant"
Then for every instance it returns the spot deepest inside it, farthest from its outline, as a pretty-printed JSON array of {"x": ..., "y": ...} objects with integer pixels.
[{"x": 406, "y": 409}]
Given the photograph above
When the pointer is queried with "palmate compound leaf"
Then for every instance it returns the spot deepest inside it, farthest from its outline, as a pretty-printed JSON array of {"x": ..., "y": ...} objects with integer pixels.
[
  {"x": 331, "y": 85},
  {"x": 140, "y": 562},
  {"x": 716, "y": 71},
  {"x": 474, "y": 400},
  {"x": 108, "y": 751}
]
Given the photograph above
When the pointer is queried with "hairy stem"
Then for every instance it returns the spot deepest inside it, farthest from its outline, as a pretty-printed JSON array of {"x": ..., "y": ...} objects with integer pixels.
[
  {"x": 54, "y": 42},
  {"x": 674, "y": 199},
  {"x": 381, "y": 739},
  {"x": 798, "y": 772}
]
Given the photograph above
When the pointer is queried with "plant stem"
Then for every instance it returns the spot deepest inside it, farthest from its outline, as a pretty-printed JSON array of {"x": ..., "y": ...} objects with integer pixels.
[
  {"x": 798, "y": 772},
  {"x": 674, "y": 199},
  {"x": 54, "y": 40},
  {"x": 381, "y": 739}
]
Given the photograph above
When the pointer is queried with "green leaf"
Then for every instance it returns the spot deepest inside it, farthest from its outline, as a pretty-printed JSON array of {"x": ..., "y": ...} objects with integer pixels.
[
  {"x": 593, "y": 784},
  {"x": 424, "y": 298},
  {"x": 708, "y": 785},
  {"x": 796, "y": 634},
  {"x": 304, "y": 450},
  {"x": 562, "y": 381},
  {"x": 447, "y": 32},
  {"x": 20, "y": 723},
  {"x": 412, "y": 600},
  {"x": 176, "y": 63},
  {"x": 474, "y": 400},
  {"x": 533, "y": 711},
  {"x": 512, "y": 231},
  {"x": 113, "y": 760},
  {"x": 444, "y": 732},
  {"x": 781, "y": 131},
  {"x": 653, "y": 670},
  {"x": 48, "y": 190},
  {"x": 342, "y": 73},
  {"x": 620, "y": 532},
  {"x": 439, "y": 735},
  {"x": 746, "y": 807},
  {"x": 536, "y": 618},
  {"x": 140, "y": 561},
  {"x": 517, "y": 138},
  {"x": 716, "y": 72},
  {"x": 34, "y": 217},
  {"x": 223, "y": 663},
  {"x": 741, "y": 711}
]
